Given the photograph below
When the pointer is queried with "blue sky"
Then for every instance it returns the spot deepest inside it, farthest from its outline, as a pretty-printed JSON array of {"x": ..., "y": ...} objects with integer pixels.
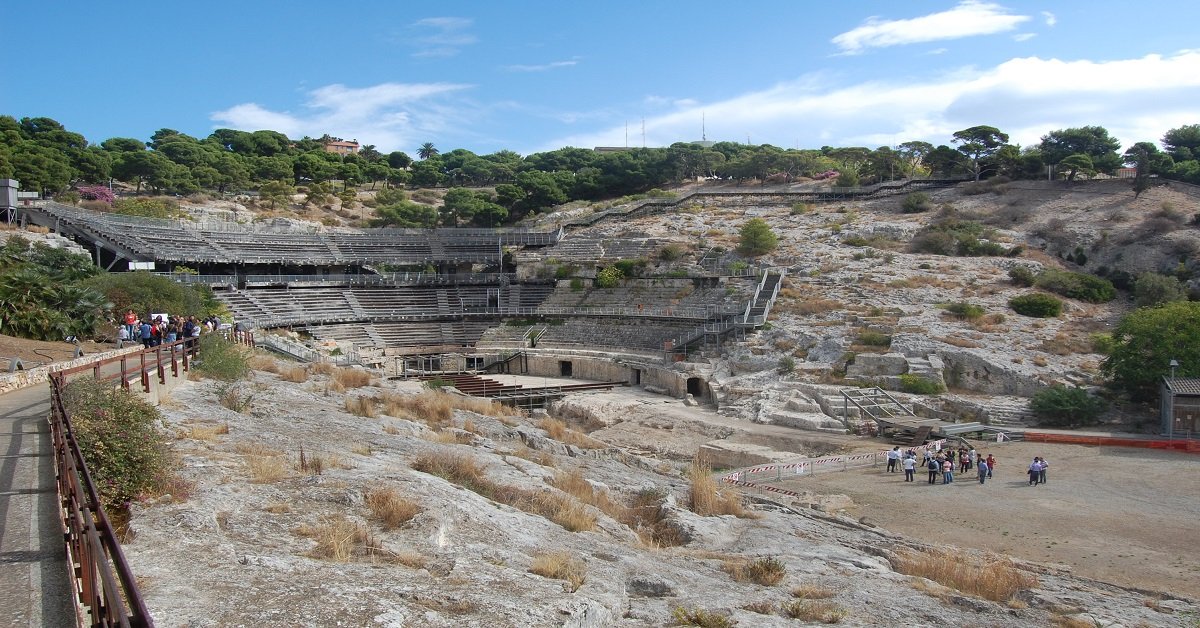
[{"x": 538, "y": 75}]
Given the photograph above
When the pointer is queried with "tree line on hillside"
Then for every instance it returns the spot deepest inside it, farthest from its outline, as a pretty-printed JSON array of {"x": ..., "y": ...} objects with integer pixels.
[{"x": 45, "y": 156}]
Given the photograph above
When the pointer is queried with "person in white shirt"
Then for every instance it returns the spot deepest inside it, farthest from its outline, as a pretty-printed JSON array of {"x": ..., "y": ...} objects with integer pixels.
[{"x": 910, "y": 465}]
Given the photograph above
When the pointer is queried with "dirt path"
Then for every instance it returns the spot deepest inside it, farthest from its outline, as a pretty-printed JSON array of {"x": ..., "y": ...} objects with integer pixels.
[{"x": 1122, "y": 515}]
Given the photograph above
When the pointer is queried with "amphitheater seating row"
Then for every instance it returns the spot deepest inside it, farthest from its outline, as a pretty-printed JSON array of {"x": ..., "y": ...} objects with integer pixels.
[
  {"x": 607, "y": 333},
  {"x": 179, "y": 241},
  {"x": 460, "y": 333}
]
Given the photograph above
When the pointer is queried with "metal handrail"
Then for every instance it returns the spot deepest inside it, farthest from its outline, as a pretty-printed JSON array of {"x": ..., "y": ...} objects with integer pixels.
[{"x": 105, "y": 583}]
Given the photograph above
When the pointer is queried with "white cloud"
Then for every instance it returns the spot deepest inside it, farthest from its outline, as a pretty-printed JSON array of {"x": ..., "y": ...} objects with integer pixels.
[
  {"x": 1135, "y": 99},
  {"x": 442, "y": 36},
  {"x": 968, "y": 19},
  {"x": 390, "y": 115},
  {"x": 1049, "y": 18},
  {"x": 541, "y": 68},
  {"x": 1024, "y": 36}
]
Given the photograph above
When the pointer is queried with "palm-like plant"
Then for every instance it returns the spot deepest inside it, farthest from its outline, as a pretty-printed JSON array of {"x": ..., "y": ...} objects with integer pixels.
[{"x": 427, "y": 150}]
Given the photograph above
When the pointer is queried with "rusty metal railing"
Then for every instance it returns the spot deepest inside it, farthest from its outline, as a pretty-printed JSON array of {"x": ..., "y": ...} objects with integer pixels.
[{"x": 103, "y": 580}]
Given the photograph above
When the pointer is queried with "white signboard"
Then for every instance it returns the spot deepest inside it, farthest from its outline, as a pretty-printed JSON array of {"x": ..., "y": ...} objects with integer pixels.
[{"x": 141, "y": 265}]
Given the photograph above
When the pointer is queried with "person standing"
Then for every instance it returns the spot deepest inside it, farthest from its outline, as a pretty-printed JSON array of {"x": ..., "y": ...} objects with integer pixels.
[
  {"x": 1035, "y": 471},
  {"x": 893, "y": 458},
  {"x": 947, "y": 471},
  {"x": 1042, "y": 464},
  {"x": 146, "y": 333},
  {"x": 982, "y": 470},
  {"x": 910, "y": 467},
  {"x": 934, "y": 466},
  {"x": 991, "y": 463}
]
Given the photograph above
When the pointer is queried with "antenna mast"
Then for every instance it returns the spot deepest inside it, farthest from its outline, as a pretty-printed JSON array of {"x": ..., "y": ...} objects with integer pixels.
[{"x": 703, "y": 128}]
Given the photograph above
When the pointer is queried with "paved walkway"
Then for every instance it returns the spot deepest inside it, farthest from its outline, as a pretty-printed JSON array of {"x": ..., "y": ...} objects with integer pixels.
[{"x": 35, "y": 586}]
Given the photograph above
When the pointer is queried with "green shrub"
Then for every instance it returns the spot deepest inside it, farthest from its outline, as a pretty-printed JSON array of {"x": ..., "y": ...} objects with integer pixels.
[
  {"x": 1060, "y": 406},
  {"x": 576, "y": 284},
  {"x": 968, "y": 311},
  {"x": 671, "y": 252},
  {"x": 609, "y": 277},
  {"x": 804, "y": 208},
  {"x": 873, "y": 339},
  {"x": 437, "y": 383},
  {"x": 787, "y": 364},
  {"x": 916, "y": 203},
  {"x": 1081, "y": 286},
  {"x": 221, "y": 359},
  {"x": 566, "y": 270},
  {"x": 855, "y": 240},
  {"x": 1102, "y": 343},
  {"x": 119, "y": 436},
  {"x": 1153, "y": 289},
  {"x": 959, "y": 237},
  {"x": 630, "y": 267},
  {"x": 147, "y": 207},
  {"x": 918, "y": 385},
  {"x": 1037, "y": 305},
  {"x": 756, "y": 238},
  {"x": 1022, "y": 276}
]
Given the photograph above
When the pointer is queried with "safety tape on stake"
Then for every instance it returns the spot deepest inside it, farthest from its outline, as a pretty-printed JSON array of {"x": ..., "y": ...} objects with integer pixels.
[{"x": 800, "y": 468}]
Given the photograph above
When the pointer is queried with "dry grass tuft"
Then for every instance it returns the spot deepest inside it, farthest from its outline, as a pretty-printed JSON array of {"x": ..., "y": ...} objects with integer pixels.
[
  {"x": 204, "y": 432},
  {"x": 391, "y": 429},
  {"x": 814, "y": 612},
  {"x": 956, "y": 341},
  {"x": 352, "y": 378},
  {"x": 574, "y": 484},
  {"x": 361, "y": 406},
  {"x": 997, "y": 579},
  {"x": 766, "y": 570},
  {"x": 467, "y": 473},
  {"x": 410, "y": 559},
  {"x": 808, "y": 306},
  {"x": 448, "y": 436},
  {"x": 560, "y": 566},
  {"x": 559, "y": 431},
  {"x": 339, "y": 539},
  {"x": 432, "y": 408},
  {"x": 645, "y": 515},
  {"x": 436, "y": 408},
  {"x": 1068, "y": 344},
  {"x": 544, "y": 458},
  {"x": 295, "y": 374},
  {"x": 278, "y": 508},
  {"x": 765, "y": 607},
  {"x": 812, "y": 592},
  {"x": 322, "y": 368},
  {"x": 700, "y": 617},
  {"x": 703, "y": 496},
  {"x": 263, "y": 363},
  {"x": 1063, "y": 621},
  {"x": 265, "y": 465},
  {"x": 389, "y": 508},
  {"x": 363, "y": 449}
]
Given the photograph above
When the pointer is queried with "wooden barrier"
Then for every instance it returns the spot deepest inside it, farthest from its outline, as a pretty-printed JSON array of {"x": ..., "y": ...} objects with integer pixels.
[{"x": 1189, "y": 446}]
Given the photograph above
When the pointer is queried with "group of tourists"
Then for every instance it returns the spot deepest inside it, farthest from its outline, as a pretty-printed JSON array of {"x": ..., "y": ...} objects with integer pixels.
[
  {"x": 153, "y": 330},
  {"x": 1037, "y": 471},
  {"x": 942, "y": 464}
]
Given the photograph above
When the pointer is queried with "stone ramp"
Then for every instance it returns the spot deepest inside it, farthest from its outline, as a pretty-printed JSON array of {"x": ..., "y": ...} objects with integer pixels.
[{"x": 35, "y": 585}]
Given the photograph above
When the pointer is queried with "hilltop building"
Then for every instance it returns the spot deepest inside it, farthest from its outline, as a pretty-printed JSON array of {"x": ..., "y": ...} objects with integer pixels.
[{"x": 342, "y": 147}]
